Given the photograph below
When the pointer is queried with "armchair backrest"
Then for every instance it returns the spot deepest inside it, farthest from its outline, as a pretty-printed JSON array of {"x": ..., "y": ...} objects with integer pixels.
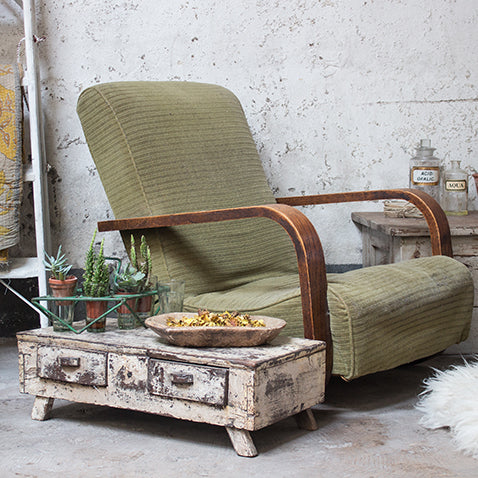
[{"x": 169, "y": 147}]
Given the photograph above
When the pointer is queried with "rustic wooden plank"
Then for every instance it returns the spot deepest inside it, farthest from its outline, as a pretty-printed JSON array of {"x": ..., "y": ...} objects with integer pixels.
[
  {"x": 466, "y": 246},
  {"x": 376, "y": 220},
  {"x": 27, "y": 359},
  {"x": 286, "y": 389},
  {"x": 377, "y": 248},
  {"x": 21, "y": 372},
  {"x": 406, "y": 248},
  {"x": 146, "y": 342}
]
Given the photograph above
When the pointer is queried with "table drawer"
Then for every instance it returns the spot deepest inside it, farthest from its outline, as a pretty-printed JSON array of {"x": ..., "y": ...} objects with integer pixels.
[
  {"x": 69, "y": 365},
  {"x": 193, "y": 382}
]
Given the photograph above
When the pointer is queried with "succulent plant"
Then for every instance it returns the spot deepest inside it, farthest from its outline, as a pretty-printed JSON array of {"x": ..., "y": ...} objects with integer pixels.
[
  {"x": 96, "y": 279},
  {"x": 130, "y": 280},
  {"x": 142, "y": 262},
  {"x": 146, "y": 266},
  {"x": 57, "y": 266}
]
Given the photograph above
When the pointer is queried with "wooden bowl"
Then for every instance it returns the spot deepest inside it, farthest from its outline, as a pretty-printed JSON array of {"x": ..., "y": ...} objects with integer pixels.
[{"x": 200, "y": 336}]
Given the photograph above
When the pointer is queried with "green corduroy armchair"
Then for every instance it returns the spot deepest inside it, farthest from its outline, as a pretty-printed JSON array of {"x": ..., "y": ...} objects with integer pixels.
[{"x": 179, "y": 165}]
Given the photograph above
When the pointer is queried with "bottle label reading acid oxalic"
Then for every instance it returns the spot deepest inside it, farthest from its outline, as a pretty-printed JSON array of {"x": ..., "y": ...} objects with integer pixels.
[{"x": 425, "y": 176}]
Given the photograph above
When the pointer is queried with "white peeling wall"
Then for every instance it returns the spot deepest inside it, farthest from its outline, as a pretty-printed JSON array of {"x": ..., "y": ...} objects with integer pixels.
[
  {"x": 11, "y": 30},
  {"x": 337, "y": 93}
]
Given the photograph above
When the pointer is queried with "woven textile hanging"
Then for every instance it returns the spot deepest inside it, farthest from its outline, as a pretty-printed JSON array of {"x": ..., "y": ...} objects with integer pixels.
[{"x": 10, "y": 159}]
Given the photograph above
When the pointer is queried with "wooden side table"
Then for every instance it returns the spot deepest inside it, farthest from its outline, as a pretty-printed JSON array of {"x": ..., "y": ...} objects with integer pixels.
[
  {"x": 387, "y": 240},
  {"x": 242, "y": 389}
]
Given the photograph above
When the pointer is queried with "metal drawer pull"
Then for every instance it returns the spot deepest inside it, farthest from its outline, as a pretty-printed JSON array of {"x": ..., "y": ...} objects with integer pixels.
[
  {"x": 70, "y": 361},
  {"x": 182, "y": 378}
]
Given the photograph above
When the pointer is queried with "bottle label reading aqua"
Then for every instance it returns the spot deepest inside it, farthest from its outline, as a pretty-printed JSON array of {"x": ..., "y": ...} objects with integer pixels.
[
  {"x": 455, "y": 185},
  {"x": 425, "y": 176}
]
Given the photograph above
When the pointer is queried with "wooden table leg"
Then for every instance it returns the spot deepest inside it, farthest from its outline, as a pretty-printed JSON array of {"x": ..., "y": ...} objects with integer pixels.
[
  {"x": 42, "y": 408},
  {"x": 306, "y": 420},
  {"x": 242, "y": 442}
]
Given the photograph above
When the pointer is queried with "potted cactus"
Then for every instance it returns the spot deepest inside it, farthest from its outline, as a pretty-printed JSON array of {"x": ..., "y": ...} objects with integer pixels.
[
  {"x": 144, "y": 264},
  {"x": 128, "y": 281},
  {"x": 96, "y": 284},
  {"x": 62, "y": 284}
]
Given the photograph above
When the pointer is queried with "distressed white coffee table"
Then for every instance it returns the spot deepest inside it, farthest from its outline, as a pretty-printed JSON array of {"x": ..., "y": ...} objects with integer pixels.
[{"x": 242, "y": 389}]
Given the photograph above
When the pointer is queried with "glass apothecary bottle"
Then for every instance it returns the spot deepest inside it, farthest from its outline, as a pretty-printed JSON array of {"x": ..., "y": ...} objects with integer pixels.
[
  {"x": 425, "y": 170},
  {"x": 455, "y": 190}
]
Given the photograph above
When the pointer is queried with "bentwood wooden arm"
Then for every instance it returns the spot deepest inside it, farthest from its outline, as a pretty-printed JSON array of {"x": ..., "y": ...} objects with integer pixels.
[
  {"x": 433, "y": 213},
  {"x": 310, "y": 256}
]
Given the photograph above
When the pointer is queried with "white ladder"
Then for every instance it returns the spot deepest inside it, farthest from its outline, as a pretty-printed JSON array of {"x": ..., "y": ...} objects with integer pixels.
[{"x": 32, "y": 267}]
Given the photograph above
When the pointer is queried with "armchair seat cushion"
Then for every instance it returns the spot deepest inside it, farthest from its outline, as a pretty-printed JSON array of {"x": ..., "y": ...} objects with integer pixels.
[
  {"x": 253, "y": 297},
  {"x": 388, "y": 315},
  {"x": 381, "y": 316}
]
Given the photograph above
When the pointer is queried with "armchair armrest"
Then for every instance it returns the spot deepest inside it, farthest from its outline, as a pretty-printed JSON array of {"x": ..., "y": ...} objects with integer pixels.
[
  {"x": 434, "y": 215},
  {"x": 310, "y": 256}
]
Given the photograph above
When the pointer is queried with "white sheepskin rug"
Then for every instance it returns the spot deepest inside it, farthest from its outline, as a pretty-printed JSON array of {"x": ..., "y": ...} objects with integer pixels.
[{"x": 450, "y": 399}]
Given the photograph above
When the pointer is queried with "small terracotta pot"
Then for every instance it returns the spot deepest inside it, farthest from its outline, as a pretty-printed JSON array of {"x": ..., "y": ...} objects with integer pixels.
[
  {"x": 131, "y": 302},
  {"x": 145, "y": 304},
  {"x": 63, "y": 288},
  {"x": 94, "y": 309}
]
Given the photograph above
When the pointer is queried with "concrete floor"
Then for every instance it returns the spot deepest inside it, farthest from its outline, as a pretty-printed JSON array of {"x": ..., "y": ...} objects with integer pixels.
[{"x": 368, "y": 428}]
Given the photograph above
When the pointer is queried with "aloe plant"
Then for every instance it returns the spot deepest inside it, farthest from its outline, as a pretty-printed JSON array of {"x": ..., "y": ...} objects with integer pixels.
[
  {"x": 146, "y": 266},
  {"x": 58, "y": 266},
  {"x": 142, "y": 262},
  {"x": 96, "y": 276}
]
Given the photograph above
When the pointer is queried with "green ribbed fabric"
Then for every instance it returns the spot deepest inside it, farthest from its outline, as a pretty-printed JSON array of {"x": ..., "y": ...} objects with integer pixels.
[
  {"x": 381, "y": 317},
  {"x": 166, "y": 147},
  {"x": 385, "y": 316}
]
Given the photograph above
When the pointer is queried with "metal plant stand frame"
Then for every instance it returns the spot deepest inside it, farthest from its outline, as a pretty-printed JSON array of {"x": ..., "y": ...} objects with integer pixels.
[{"x": 118, "y": 300}]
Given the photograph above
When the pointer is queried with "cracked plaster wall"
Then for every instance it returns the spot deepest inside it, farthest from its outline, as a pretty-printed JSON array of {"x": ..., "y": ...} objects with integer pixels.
[{"x": 337, "y": 94}]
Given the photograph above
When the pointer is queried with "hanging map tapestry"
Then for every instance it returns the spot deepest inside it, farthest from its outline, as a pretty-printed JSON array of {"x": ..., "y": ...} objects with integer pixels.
[{"x": 10, "y": 159}]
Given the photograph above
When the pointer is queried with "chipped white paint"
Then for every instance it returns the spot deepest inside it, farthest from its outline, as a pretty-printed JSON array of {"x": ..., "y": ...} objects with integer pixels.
[
  {"x": 337, "y": 94},
  {"x": 241, "y": 388},
  {"x": 74, "y": 366}
]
